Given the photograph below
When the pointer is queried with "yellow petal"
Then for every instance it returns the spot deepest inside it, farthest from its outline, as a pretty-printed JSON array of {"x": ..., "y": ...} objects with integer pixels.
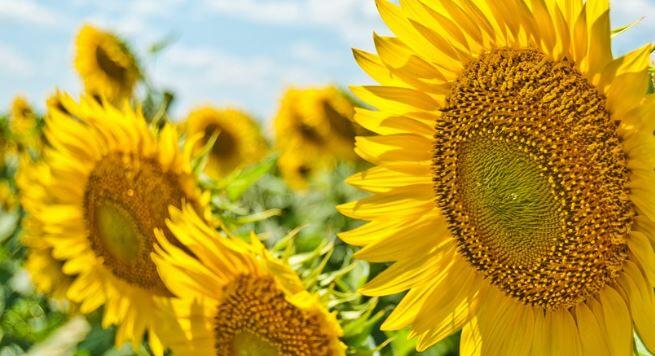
[
  {"x": 396, "y": 98},
  {"x": 373, "y": 231},
  {"x": 643, "y": 253},
  {"x": 381, "y": 179},
  {"x": 627, "y": 91},
  {"x": 410, "y": 305},
  {"x": 407, "y": 274},
  {"x": 591, "y": 335},
  {"x": 518, "y": 320},
  {"x": 564, "y": 333},
  {"x": 436, "y": 20},
  {"x": 420, "y": 236},
  {"x": 372, "y": 65},
  {"x": 600, "y": 46},
  {"x": 471, "y": 340},
  {"x": 385, "y": 124},
  {"x": 580, "y": 41},
  {"x": 544, "y": 23},
  {"x": 399, "y": 203},
  {"x": 451, "y": 305},
  {"x": 398, "y": 23},
  {"x": 563, "y": 34},
  {"x": 541, "y": 344},
  {"x": 399, "y": 147},
  {"x": 411, "y": 69},
  {"x": 614, "y": 318},
  {"x": 641, "y": 301}
]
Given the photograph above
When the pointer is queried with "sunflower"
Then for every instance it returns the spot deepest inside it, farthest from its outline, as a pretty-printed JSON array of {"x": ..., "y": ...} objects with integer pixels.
[
  {"x": 105, "y": 64},
  {"x": 105, "y": 183},
  {"x": 45, "y": 270},
  {"x": 23, "y": 124},
  {"x": 55, "y": 102},
  {"x": 513, "y": 189},
  {"x": 236, "y": 299},
  {"x": 313, "y": 129},
  {"x": 239, "y": 140}
]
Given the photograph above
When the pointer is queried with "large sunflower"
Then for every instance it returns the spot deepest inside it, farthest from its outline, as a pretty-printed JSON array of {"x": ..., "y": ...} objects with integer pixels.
[
  {"x": 105, "y": 64},
  {"x": 109, "y": 183},
  {"x": 236, "y": 299},
  {"x": 239, "y": 140},
  {"x": 313, "y": 129},
  {"x": 513, "y": 187}
]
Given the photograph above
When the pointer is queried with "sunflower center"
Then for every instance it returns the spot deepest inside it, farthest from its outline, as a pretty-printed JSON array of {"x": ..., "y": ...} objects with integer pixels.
[
  {"x": 110, "y": 67},
  {"x": 532, "y": 178},
  {"x": 247, "y": 344},
  {"x": 125, "y": 200},
  {"x": 508, "y": 200},
  {"x": 225, "y": 143},
  {"x": 309, "y": 133},
  {"x": 255, "y": 318},
  {"x": 304, "y": 170},
  {"x": 118, "y": 232}
]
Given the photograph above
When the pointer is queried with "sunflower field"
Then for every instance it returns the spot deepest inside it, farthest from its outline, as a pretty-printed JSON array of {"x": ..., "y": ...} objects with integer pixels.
[{"x": 492, "y": 194}]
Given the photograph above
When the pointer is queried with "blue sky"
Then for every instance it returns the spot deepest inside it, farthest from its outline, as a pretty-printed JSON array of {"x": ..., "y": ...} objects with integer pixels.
[{"x": 241, "y": 53}]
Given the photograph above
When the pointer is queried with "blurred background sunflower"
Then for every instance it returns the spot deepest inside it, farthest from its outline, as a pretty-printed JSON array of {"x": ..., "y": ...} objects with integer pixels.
[
  {"x": 234, "y": 138},
  {"x": 313, "y": 131},
  {"x": 105, "y": 64}
]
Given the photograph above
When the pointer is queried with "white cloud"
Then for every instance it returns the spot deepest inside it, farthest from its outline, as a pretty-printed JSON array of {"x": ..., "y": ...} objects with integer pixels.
[
  {"x": 627, "y": 11},
  {"x": 267, "y": 11},
  {"x": 14, "y": 64},
  {"x": 28, "y": 11},
  {"x": 141, "y": 19},
  {"x": 201, "y": 75},
  {"x": 354, "y": 20},
  {"x": 220, "y": 68},
  {"x": 310, "y": 53}
]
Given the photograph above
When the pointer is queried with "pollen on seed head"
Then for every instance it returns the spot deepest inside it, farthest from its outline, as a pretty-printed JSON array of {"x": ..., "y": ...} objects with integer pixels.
[{"x": 530, "y": 173}]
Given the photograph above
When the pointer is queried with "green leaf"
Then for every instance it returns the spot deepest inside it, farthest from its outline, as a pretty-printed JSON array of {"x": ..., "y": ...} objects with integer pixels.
[
  {"x": 98, "y": 341},
  {"x": 619, "y": 30},
  {"x": 262, "y": 215},
  {"x": 162, "y": 44},
  {"x": 237, "y": 183}
]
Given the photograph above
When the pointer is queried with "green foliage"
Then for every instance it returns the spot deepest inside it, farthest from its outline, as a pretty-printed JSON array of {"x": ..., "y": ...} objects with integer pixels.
[
  {"x": 26, "y": 318},
  {"x": 237, "y": 183},
  {"x": 619, "y": 30}
]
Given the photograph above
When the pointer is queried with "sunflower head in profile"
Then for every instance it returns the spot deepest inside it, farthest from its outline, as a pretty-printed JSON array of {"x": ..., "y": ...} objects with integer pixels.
[
  {"x": 45, "y": 271},
  {"x": 105, "y": 183},
  {"x": 513, "y": 189},
  {"x": 237, "y": 299},
  {"x": 23, "y": 123},
  {"x": 313, "y": 129},
  {"x": 239, "y": 140},
  {"x": 105, "y": 64}
]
